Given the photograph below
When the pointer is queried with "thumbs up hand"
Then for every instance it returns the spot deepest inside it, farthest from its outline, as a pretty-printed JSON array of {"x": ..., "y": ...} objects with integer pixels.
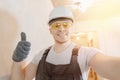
[{"x": 22, "y": 49}]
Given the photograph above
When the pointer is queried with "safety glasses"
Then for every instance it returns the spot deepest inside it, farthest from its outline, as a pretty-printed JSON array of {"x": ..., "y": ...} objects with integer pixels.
[{"x": 58, "y": 25}]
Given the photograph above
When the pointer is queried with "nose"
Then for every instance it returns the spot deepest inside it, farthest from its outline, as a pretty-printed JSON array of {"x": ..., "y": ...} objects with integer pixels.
[{"x": 61, "y": 28}]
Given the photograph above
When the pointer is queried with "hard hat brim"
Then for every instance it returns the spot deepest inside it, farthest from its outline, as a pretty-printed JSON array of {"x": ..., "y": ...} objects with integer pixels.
[{"x": 59, "y": 19}]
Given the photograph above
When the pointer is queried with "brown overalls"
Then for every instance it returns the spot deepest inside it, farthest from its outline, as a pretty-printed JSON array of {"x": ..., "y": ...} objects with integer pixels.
[{"x": 48, "y": 71}]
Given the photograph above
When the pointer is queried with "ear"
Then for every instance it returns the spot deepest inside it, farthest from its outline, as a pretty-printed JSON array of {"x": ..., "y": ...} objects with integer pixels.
[{"x": 50, "y": 30}]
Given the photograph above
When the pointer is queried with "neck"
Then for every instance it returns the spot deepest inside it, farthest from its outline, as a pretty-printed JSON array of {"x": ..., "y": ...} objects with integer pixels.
[{"x": 59, "y": 47}]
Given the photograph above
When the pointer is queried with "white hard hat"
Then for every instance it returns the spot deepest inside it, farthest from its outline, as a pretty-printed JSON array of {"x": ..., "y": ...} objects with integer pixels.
[{"x": 60, "y": 12}]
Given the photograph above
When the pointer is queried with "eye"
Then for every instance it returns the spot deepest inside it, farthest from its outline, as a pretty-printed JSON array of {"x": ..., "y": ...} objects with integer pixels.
[
  {"x": 67, "y": 25},
  {"x": 56, "y": 25}
]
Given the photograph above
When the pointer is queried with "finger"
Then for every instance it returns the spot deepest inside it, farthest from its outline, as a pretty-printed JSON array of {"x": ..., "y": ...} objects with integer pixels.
[
  {"x": 24, "y": 46},
  {"x": 23, "y": 36},
  {"x": 21, "y": 51},
  {"x": 27, "y": 44}
]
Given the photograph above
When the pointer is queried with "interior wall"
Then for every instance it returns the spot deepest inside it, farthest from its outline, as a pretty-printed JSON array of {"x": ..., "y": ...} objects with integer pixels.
[
  {"x": 8, "y": 33},
  {"x": 108, "y": 33},
  {"x": 109, "y": 36},
  {"x": 29, "y": 16}
]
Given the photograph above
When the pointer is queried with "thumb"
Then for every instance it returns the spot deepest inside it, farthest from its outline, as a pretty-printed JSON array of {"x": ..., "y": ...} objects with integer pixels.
[{"x": 23, "y": 36}]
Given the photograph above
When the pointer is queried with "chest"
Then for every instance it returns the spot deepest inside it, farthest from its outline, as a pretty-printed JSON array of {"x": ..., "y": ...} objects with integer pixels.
[{"x": 59, "y": 58}]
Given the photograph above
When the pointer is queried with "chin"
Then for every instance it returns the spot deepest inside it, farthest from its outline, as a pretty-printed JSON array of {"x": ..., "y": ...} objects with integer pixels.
[{"x": 61, "y": 42}]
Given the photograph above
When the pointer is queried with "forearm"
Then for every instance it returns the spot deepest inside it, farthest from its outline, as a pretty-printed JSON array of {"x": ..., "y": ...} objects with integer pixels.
[
  {"x": 17, "y": 71},
  {"x": 19, "y": 55},
  {"x": 106, "y": 66},
  {"x": 115, "y": 68}
]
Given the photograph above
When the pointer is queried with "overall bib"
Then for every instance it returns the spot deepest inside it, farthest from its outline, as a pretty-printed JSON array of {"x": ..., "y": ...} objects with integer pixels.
[{"x": 48, "y": 71}]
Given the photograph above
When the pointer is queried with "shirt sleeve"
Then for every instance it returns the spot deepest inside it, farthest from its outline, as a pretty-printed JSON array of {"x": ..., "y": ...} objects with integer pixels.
[
  {"x": 38, "y": 57},
  {"x": 92, "y": 52},
  {"x": 85, "y": 55}
]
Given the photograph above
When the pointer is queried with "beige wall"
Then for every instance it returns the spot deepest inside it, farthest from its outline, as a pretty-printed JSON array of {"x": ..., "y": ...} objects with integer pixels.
[
  {"x": 108, "y": 32},
  {"x": 8, "y": 33},
  {"x": 29, "y": 16}
]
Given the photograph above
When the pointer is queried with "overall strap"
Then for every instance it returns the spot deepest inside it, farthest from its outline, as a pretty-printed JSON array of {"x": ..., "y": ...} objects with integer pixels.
[
  {"x": 76, "y": 68},
  {"x": 47, "y": 51},
  {"x": 41, "y": 64}
]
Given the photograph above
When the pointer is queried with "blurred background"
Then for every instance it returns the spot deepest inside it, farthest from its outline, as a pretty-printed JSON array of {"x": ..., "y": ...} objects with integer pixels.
[{"x": 97, "y": 25}]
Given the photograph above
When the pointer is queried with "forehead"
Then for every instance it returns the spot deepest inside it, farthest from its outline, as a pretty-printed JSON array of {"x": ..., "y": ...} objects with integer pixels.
[{"x": 61, "y": 21}]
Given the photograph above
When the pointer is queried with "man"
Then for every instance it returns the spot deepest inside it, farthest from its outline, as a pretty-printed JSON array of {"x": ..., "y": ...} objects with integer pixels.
[{"x": 63, "y": 60}]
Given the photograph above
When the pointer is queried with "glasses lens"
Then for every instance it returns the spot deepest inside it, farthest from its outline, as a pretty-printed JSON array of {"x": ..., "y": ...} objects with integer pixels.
[
  {"x": 67, "y": 25},
  {"x": 57, "y": 25}
]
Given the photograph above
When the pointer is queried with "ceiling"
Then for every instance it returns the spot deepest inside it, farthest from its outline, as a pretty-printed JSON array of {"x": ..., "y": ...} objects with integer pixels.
[{"x": 100, "y": 9}]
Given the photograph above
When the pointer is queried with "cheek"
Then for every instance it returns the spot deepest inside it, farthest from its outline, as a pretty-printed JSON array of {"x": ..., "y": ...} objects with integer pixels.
[
  {"x": 70, "y": 31},
  {"x": 52, "y": 31}
]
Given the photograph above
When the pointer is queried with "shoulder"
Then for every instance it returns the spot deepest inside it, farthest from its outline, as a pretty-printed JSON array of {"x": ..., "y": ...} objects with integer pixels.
[
  {"x": 41, "y": 52},
  {"x": 38, "y": 56},
  {"x": 85, "y": 53},
  {"x": 89, "y": 50}
]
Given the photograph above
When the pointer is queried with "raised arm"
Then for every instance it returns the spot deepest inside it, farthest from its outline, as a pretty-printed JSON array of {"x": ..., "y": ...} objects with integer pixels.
[
  {"x": 106, "y": 66},
  {"x": 19, "y": 71}
]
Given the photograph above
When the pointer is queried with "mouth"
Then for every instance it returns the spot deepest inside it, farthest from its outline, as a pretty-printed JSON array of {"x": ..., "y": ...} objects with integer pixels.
[{"x": 62, "y": 34}]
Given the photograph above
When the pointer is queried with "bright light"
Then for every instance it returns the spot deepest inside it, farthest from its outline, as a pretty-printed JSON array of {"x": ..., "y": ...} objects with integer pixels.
[
  {"x": 90, "y": 36},
  {"x": 78, "y": 38},
  {"x": 83, "y": 4}
]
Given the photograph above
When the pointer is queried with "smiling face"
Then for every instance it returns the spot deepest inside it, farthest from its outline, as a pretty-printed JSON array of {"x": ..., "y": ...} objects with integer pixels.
[{"x": 61, "y": 30}]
